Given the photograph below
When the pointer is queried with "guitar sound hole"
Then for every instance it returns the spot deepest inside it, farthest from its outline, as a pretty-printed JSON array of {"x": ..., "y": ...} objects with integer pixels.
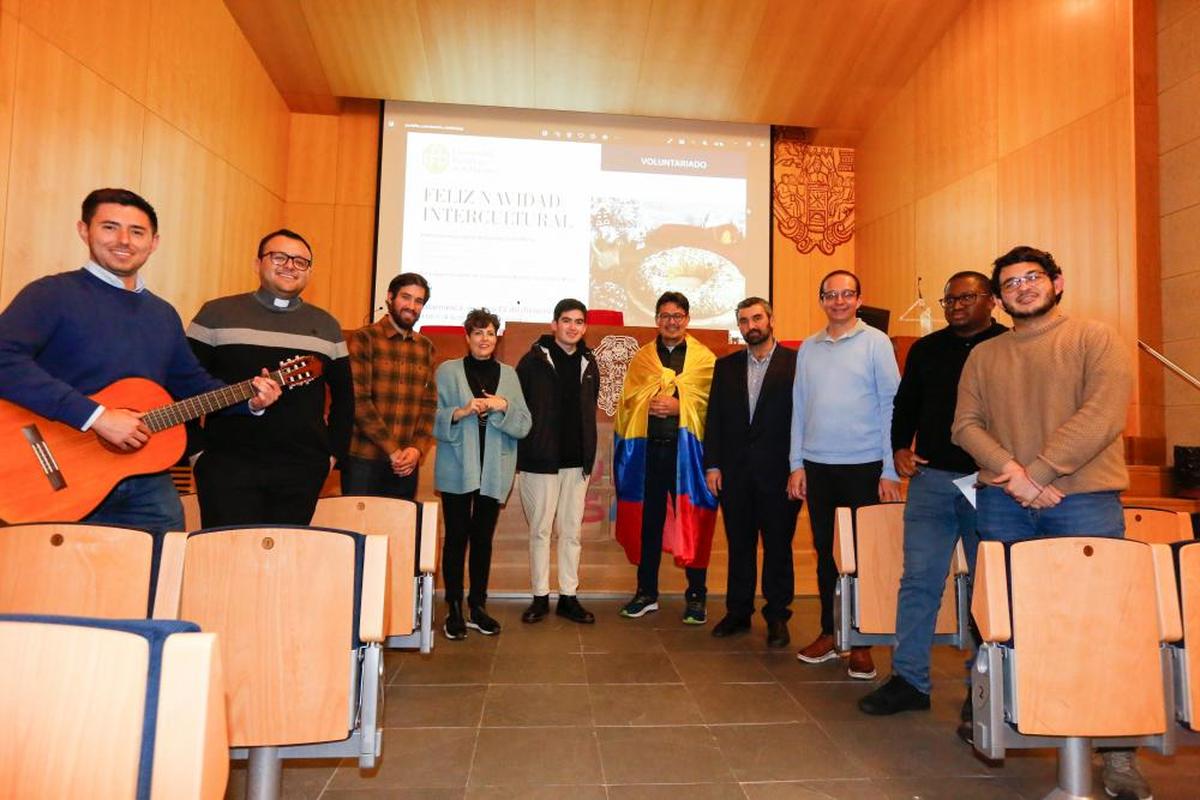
[{"x": 56, "y": 540}]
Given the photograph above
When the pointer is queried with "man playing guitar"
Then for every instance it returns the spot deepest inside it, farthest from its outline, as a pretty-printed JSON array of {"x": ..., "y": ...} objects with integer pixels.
[{"x": 69, "y": 335}]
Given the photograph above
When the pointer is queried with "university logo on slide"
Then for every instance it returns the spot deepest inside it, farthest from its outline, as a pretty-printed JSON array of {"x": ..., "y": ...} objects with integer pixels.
[{"x": 436, "y": 158}]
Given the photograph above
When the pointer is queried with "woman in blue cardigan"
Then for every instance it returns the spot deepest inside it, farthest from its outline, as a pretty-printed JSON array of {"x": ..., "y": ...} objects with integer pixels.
[{"x": 481, "y": 414}]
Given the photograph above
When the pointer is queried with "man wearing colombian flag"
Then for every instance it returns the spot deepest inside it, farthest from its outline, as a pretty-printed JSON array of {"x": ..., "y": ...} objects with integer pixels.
[{"x": 663, "y": 502}]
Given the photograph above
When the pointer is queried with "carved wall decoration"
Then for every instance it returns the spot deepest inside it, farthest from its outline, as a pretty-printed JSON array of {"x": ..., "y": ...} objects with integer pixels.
[
  {"x": 613, "y": 355},
  {"x": 813, "y": 195}
]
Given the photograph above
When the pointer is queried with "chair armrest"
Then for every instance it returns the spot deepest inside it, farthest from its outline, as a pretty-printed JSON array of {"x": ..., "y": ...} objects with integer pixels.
[
  {"x": 427, "y": 558},
  {"x": 1170, "y": 620},
  {"x": 843, "y": 541},
  {"x": 989, "y": 603},
  {"x": 191, "y": 753},
  {"x": 958, "y": 561},
  {"x": 170, "y": 576},
  {"x": 374, "y": 589}
]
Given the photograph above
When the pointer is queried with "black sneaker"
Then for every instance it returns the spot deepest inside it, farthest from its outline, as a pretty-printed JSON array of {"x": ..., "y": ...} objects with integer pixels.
[
  {"x": 694, "y": 613},
  {"x": 639, "y": 606},
  {"x": 966, "y": 728},
  {"x": 729, "y": 625},
  {"x": 480, "y": 621},
  {"x": 568, "y": 606},
  {"x": 455, "y": 627},
  {"x": 893, "y": 697},
  {"x": 538, "y": 609}
]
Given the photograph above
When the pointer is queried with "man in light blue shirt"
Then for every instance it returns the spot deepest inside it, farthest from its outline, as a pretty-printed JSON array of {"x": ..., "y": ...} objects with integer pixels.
[{"x": 840, "y": 455}]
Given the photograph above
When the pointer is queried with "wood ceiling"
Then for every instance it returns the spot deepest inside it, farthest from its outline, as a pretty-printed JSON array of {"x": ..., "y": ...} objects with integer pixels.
[{"x": 830, "y": 65}]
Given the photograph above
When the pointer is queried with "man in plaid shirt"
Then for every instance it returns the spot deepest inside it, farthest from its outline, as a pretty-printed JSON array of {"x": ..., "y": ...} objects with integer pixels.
[{"x": 394, "y": 396}]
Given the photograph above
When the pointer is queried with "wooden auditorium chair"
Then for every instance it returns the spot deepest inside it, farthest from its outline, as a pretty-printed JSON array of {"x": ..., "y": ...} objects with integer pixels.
[
  {"x": 411, "y": 529},
  {"x": 191, "y": 511},
  {"x": 868, "y": 547},
  {"x": 75, "y": 569},
  {"x": 300, "y": 613},
  {"x": 1186, "y": 652},
  {"x": 1157, "y": 525},
  {"x": 111, "y": 710},
  {"x": 1073, "y": 631}
]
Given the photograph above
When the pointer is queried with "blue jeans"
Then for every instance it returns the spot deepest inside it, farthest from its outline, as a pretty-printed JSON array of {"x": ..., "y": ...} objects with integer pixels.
[
  {"x": 1002, "y": 518},
  {"x": 936, "y": 516}
]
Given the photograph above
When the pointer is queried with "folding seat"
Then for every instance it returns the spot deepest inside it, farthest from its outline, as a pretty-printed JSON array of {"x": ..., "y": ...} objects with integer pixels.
[
  {"x": 191, "y": 511},
  {"x": 111, "y": 710},
  {"x": 868, "y": 548},
  {"x": 1157, "y": 525},
  {"x": 75, "y": 569},
  {"x": 1186, "y": 652},
  {"x": 1073, "y": 654},
  {"x": 300, "y": 613},
  {"x": 411, "y": 529}
]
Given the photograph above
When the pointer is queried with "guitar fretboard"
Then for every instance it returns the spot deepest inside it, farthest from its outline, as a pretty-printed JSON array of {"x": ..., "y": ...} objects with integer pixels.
[{"x": 168, "y": 416}]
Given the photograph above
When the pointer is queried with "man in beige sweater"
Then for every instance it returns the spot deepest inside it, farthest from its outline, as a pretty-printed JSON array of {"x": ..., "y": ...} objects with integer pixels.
[{"x": 1041, "y": 409}]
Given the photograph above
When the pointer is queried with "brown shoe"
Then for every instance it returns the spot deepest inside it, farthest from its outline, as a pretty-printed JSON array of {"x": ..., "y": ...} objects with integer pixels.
[
  {"x": 861, "y": 666},
  {"x": 820, "y": 650}
]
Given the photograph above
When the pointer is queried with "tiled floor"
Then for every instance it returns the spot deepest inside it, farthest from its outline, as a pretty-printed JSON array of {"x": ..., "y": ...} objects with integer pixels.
[{"x": 651, "y": 708}]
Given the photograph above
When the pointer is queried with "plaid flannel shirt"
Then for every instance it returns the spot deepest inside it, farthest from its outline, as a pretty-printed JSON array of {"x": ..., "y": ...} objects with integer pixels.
[{"x": 395, "y": 396}]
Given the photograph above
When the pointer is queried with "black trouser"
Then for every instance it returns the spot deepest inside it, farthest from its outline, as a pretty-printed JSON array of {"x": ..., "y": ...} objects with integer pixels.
[
  {"x": 376, "y": 479},
  {"x": 750, "y": 507},
  {"x": 469, "y": 518},
  {"x": 660, "y": 488},
  {"x": 831, "y": 486},
  {"x": 234, "y": 491}
]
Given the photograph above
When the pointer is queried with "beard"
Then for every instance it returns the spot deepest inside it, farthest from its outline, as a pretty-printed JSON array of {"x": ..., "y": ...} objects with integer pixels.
[
  {"x": 758, "y": 337},
  {"x": 1050, "y": 302},
  {"x": 400, "y": 321}
]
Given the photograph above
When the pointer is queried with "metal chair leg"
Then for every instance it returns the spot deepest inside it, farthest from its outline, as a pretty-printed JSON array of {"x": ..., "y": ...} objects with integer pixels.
[
  {"x": 1074, "y": 770},
  {"x": 264, "y": 774}
]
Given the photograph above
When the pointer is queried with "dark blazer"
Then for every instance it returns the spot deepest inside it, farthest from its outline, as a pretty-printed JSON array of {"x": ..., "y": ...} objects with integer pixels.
[{"x": 743, "y": 450}]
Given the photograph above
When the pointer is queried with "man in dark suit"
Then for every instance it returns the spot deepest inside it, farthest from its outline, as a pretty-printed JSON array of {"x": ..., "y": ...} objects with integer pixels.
[{"x": 746, "y": 439}]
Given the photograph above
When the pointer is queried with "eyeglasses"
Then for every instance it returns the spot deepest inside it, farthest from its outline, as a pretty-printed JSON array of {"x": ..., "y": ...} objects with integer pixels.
[
  {"x": 278, "y": 259},
  {"x": 845, "y": 294},
  {"x": 676, "y": 317},
  {"x": 965, "y": 300},
  {"x": 1017, "y": 281}
]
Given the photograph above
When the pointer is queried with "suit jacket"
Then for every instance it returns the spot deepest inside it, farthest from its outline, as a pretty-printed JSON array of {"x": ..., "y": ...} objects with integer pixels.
[{"x": 743, "y": 450}]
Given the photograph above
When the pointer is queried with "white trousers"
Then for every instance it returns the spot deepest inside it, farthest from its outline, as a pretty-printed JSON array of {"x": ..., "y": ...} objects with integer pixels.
[{"x": 548, "y": 499}]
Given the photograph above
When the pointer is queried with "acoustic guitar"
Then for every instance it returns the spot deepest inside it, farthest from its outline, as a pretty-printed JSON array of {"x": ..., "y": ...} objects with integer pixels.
[{"x": 52, "y": 472}]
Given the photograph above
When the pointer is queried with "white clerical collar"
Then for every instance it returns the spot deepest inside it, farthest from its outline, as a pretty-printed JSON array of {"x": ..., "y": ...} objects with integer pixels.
[{"x": 112, "y": 280}]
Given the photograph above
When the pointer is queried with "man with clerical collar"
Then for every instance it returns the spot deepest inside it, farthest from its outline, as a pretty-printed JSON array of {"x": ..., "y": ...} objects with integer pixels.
[
  {"x": 937, "y": 514},
  {"x": 395, "y": 396},
  {"x": 67, "y": 336},
  {"x": 746, "y": 461},
  {"x": 271, "y": 471},
  {"x": 561, "y": 382},
  {"x": 663, "y": 502},
  {"x": 841, "y": 449}
]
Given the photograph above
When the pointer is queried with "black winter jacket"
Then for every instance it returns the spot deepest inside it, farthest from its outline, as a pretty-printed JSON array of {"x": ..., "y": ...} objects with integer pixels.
[{"x": 538, "y": 452}]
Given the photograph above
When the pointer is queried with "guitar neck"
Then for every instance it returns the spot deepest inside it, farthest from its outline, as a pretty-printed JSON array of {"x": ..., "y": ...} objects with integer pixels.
[{"x": 192, "y": 408}]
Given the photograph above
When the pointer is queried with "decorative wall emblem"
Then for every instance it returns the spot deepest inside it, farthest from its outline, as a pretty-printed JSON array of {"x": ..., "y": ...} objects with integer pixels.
[
  {"x": 613, "y": 355},
  {"x": 813, "y": 195}
]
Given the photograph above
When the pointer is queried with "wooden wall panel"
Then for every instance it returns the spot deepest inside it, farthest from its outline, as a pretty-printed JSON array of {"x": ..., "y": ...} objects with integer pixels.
[
  {"x": 353, "y": 257},
  {"x": 8, "y": 88},
  {"x": 955, "y": 230},
  {"x": 258, "y": 121},
  {"x": 1060, "y": 194},
  {"x": 885, "y": 261},
  {"x": 1059, "y": 61},
  {"x": 189, "y": 86},
  {"x": 59, "y": 104},
  {"x": 1179, "y": 47},
  {"x": 887, "y": 156},
  {"x": 956, "y": 118},
  {"x": 182, "y": 178},
  {"x": 312, "y": 162},
  {"x": 795, "y": 281},
  {"x": 120, "y": 55},
  {"x": 358, "y": 152}
]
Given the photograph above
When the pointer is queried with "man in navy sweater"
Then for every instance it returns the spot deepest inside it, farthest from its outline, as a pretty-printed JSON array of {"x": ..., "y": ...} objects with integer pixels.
[{"x": 69, "y": 335}]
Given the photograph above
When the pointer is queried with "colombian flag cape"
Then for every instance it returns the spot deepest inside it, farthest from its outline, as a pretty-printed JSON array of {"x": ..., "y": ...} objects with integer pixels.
[{"x": 688, "y": 531}]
